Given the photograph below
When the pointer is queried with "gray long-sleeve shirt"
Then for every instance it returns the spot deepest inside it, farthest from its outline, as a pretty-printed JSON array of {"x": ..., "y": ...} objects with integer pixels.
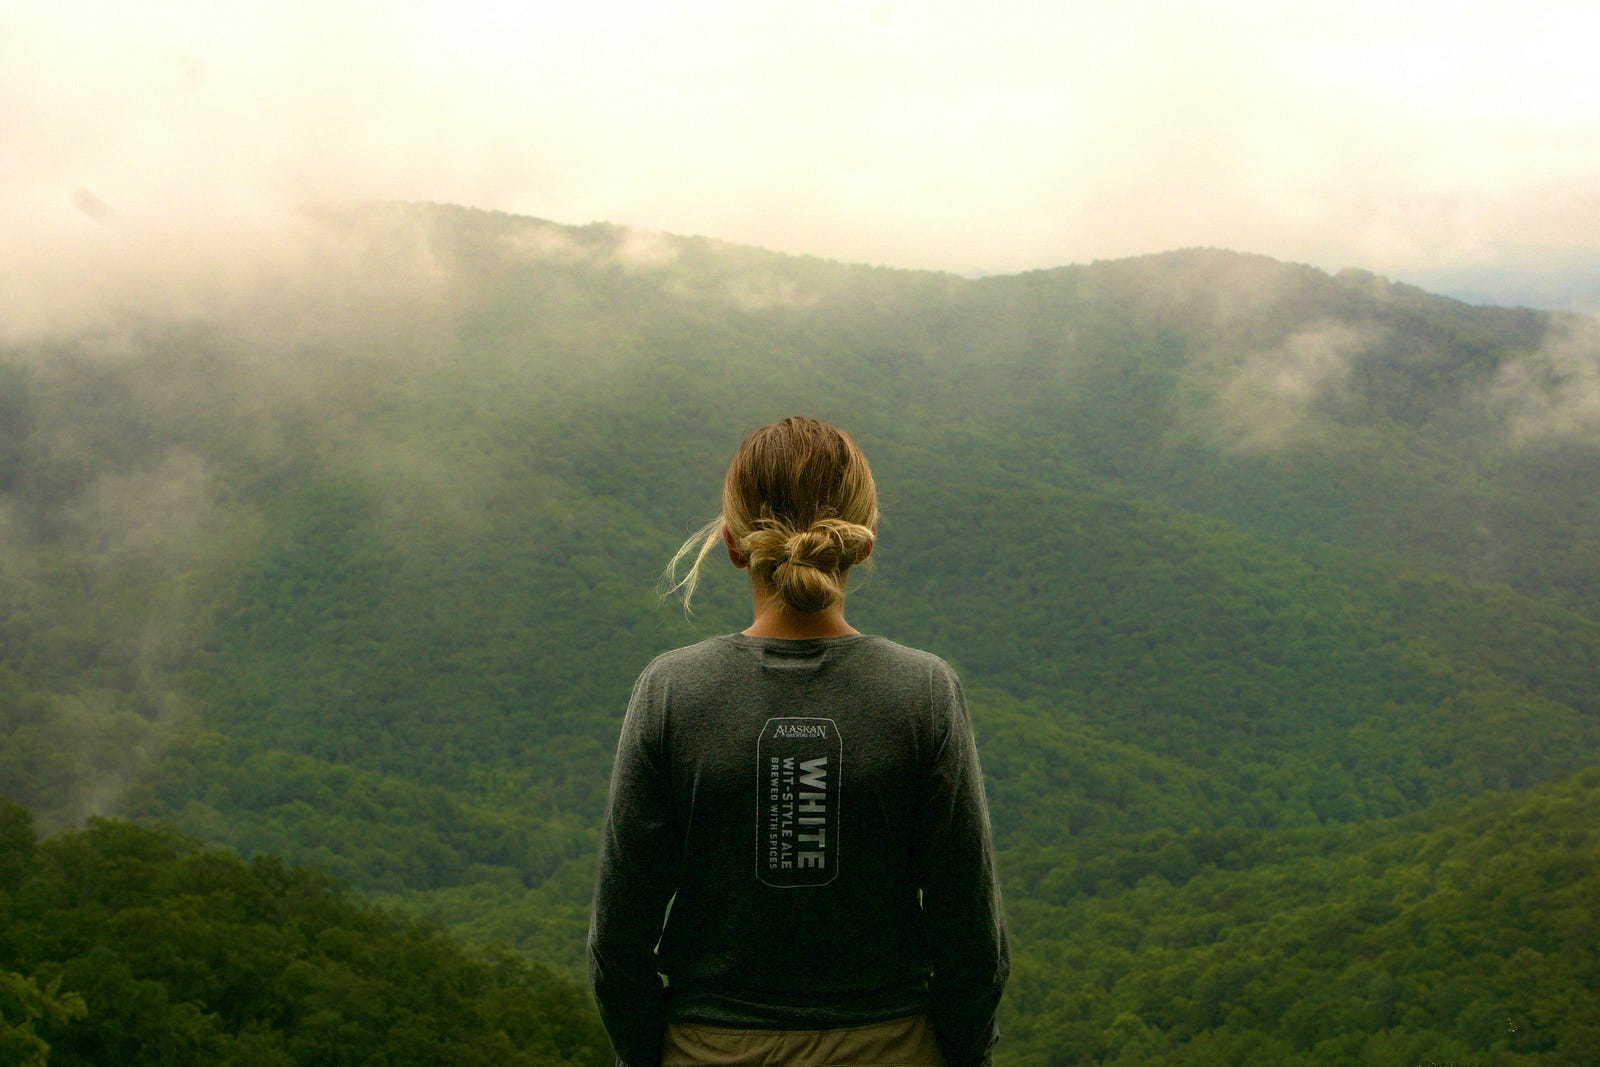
[{"x": 814, "y": 813}]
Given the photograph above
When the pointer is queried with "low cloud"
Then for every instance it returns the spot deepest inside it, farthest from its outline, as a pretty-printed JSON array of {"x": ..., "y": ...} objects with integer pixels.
[
  {"x": 924, "y": 136},
  {"x": 140, "y": 551},
  {"x": 631, "y": 248},
  {"x": 313, "y": 268},
  {"x": 1553, "y": 394},
  {"x": 1271, "y": 397},
  {"x": 758, "y": 292}
]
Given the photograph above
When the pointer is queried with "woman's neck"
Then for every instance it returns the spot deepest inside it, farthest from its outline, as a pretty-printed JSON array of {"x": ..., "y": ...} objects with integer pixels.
[{"x": 772, "y": 619}]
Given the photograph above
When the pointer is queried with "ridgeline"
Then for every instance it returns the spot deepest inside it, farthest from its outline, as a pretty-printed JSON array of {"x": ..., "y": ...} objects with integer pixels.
[{"x": 1277, "y": 595}]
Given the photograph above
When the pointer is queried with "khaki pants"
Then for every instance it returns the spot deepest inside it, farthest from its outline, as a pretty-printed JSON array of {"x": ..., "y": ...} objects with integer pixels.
[{"x": 907, "y": 1042}]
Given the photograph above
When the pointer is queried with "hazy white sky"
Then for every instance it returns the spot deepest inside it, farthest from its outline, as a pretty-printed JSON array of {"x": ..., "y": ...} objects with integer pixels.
[{"x": 996, "y": 136}]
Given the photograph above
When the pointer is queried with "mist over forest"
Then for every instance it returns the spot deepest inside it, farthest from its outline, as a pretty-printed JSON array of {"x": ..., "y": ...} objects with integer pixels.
[{"x": 1276, "y": 594}]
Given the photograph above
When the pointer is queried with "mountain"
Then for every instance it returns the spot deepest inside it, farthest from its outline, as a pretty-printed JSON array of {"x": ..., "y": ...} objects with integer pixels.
[
  {"x": 131, "y": 945},
  {"x": 1257, "y": 577},
  {"x": 1557, "y": 279}
]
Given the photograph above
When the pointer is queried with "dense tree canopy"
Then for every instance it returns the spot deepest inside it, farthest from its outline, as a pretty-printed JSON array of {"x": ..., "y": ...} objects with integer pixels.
[
  {"x": 122, "y": 944},
  {"x": 1264, "y": 584}
]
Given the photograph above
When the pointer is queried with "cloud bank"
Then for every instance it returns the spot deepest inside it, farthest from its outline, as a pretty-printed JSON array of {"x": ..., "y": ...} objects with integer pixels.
[{"x": 158, "y": 154}]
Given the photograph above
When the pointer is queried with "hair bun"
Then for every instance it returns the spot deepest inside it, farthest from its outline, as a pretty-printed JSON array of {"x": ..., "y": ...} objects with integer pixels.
[
  {"x": 806, "y": 588},
  {"x": 817, "y": 547},
  {"x": 806, "y": 567}
]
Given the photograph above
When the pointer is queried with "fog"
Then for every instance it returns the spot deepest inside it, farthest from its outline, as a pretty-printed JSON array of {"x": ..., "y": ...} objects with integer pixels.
[
  {"x": 161, "y": 156},
  {"x": 187, "y": 163},
  {"x": 1553, "y": 394}
]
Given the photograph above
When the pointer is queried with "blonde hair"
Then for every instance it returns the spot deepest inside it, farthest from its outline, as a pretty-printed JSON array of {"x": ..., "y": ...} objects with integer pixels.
[{"x": 801, "y": 508}]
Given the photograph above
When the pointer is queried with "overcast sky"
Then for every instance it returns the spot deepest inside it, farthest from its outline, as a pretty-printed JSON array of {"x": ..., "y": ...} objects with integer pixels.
[{"x": 996, "y": 136}]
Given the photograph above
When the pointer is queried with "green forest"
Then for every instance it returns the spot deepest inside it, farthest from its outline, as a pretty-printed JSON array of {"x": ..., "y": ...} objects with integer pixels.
[
  {"x": 1276, "y": 595},
  {"x": 134, "y": 945}
]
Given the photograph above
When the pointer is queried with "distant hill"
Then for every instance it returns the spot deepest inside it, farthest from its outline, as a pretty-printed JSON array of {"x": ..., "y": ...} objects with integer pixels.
[
  {"x": 130, "y": 945},
  {"x": 1259, "y": 578},
  {"x": 1551, "y": 279}
]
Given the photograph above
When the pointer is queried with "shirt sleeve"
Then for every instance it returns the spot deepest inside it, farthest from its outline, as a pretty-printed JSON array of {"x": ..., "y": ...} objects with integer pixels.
[
  {"x": 961, "y": 893},
  {"x": 636, "y": 878}
]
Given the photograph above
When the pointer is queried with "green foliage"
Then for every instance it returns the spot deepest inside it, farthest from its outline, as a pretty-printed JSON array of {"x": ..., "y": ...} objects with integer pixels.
[
  {"x": 24, "y": 1008},
  {"x": 1241, "y": 564},
  {"x": 129, "y": 945},
  {"x": 1466, "y": 933}
]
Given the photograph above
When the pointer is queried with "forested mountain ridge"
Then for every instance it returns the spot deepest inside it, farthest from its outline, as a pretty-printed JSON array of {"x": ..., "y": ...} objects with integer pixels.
[
  {"x": 1238, "y": 560},
  {"x": 136, "y": 946}
]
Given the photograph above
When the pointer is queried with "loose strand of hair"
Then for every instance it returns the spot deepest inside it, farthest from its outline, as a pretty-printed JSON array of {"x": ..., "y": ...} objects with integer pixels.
[{"x": 706, "y": 537}]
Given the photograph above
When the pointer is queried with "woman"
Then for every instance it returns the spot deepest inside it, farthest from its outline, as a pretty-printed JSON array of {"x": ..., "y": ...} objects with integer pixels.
[{"x": 797, "y": 839}]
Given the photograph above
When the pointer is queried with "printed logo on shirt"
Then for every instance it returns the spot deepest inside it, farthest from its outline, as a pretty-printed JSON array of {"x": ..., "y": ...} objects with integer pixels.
[{"x": 797, "y": 819}]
